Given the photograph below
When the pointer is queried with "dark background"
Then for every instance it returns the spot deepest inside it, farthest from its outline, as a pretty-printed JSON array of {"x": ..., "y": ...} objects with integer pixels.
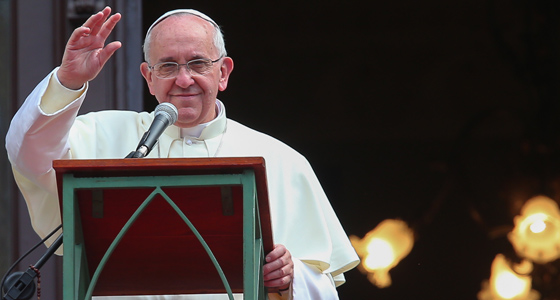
[{"x": 441, "y": 113}]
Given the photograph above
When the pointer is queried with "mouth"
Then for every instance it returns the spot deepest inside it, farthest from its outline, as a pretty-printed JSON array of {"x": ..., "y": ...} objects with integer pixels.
[{"x": 184, "y": 96}]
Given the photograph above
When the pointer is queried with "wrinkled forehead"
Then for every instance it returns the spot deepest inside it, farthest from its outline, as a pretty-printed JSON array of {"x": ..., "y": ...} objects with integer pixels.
[{"x": 178, "y": 12}]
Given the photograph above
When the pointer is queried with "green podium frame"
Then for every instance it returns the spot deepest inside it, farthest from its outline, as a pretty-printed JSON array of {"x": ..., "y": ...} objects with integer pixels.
[{"x": 90, "y": 189}]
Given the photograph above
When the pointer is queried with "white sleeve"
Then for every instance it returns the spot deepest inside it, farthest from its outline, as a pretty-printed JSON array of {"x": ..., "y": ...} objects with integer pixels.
[
  {"x": 36, "y": 138},
  {"x": 308, "y": 283}
]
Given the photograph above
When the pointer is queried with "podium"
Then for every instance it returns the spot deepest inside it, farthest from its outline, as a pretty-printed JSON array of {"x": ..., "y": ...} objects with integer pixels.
[{"x": 164, "y": 226}]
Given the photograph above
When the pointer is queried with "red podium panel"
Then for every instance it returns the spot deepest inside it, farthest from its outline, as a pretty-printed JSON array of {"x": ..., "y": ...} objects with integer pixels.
[{"x": 159, "y": 254}]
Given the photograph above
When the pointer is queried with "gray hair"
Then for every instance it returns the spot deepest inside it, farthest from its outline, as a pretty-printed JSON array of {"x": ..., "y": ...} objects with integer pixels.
[{"x": 219, "y": 42}]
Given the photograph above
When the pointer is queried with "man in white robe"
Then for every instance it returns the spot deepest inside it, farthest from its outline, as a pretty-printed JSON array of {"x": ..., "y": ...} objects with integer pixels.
[{"x": 312, "y": 250}]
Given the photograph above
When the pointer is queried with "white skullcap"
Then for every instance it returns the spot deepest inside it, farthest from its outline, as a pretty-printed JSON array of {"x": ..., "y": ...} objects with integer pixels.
[{"x": 182, "y": 11}]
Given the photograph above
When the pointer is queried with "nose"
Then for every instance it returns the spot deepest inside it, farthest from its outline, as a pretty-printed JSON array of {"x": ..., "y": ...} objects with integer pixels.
[{"x": 184, "y": 78}]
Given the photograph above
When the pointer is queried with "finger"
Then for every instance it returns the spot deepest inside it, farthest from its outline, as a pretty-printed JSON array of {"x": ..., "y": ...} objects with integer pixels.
[
  {"x": 108, "y": 51},
  {"x": 279, "y": 278},
  {"x": 277, "y": 252},
  {"x": 93, "y": 20},
  {"x": 278, "y": 264},
  {"x": 273, "y": 266},
  {"x": 77, "y": 34},
  {"x": 99, "y": 21},
  {"x": 109, "y": 25},
  {"x": 277, "y": 282},
  {"x": 285, "y": 271},
  {"x": 277, "y": 258}
]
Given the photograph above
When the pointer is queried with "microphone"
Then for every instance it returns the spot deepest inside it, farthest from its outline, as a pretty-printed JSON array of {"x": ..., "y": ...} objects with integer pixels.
[{"x": 166, "y": 114}]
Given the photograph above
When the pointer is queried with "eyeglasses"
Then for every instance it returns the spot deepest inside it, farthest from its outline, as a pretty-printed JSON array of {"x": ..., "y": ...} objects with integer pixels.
[{"x": 201, "y": 66}]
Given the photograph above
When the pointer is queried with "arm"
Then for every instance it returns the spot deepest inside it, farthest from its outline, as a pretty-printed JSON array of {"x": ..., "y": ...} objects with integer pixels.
[
  {"x": 33, "y": 141},
  {"x": 35, "y": 138},
  {"x": 40, "y": 129}
]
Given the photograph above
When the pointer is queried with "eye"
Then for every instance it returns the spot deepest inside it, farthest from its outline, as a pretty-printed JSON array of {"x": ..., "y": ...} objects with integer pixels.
[
  {"x": 199, "y": 65},
  {"x": 167, "y": 67}
]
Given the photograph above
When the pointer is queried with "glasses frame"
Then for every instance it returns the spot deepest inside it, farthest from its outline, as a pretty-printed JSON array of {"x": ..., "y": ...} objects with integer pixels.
[{"x": 193, "y": 73}]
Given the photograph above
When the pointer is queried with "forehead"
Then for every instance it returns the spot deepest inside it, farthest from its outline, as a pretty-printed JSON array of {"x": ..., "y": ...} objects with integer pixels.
[{"x": 179, "y": 34}]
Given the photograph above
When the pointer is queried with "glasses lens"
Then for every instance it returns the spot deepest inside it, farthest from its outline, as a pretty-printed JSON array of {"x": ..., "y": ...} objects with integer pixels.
[
  {"x": 200, "y": 66},
  {"x": 171, "y": 69},
  {"x": 166, "y": 69}
]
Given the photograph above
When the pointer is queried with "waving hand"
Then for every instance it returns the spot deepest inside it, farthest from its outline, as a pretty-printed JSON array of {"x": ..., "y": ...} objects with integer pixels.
[{"x": 86, "y": 52}]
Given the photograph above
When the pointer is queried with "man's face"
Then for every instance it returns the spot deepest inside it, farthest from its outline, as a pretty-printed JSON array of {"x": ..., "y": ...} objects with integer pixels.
[{"x": 181, "y": 39}]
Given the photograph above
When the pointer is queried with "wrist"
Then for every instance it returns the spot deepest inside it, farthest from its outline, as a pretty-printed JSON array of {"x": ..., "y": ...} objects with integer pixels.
[{"x": 68, "y": 83}]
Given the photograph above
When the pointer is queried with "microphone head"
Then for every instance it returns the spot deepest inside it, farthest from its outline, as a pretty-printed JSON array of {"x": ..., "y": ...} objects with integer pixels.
[{"x": 167, "y": 110}]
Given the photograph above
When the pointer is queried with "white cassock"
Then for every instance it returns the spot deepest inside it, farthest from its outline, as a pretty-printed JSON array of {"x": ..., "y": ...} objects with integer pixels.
[{"x": 302, "y": 218}]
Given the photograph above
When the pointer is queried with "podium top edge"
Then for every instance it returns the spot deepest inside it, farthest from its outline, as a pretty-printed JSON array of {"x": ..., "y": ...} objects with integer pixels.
[{"x": 66, "y": 165}]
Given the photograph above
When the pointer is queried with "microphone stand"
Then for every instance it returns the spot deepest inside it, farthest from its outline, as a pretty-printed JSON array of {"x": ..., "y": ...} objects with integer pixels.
[
  {"x": 20, "y": 285},
  {"x": 135, "y": 154},
  {"x": 141, "y": 150}
]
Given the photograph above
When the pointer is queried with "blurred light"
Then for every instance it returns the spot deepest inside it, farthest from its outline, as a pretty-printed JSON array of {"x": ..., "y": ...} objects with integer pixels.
[
  {"x": 507, "y": 283},
  {"x": 536, "y": 235},
  {"x": 538, "y": 226},
  {"x": 382, "y": 254},
  {"x": 382, "y": 249}
]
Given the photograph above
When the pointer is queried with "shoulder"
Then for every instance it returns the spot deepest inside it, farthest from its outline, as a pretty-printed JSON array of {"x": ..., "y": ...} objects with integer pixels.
[
  {"x": 249, "y": 135},
  {"x": 255, "y": 143}
]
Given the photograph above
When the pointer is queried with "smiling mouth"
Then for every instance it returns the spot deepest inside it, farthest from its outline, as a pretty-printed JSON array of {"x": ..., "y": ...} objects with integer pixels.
[{"x": 184, "y": 95}]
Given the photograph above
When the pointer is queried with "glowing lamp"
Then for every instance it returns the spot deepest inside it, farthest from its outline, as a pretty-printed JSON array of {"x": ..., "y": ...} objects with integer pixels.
[
  {"x": 382, "y": 249},
  {"x": 536, "y": 235},
  {"x": 507, "y": 283}
]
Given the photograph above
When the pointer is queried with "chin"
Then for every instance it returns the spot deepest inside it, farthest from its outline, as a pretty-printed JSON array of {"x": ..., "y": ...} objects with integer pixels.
[{"x": 188, "y": 116}]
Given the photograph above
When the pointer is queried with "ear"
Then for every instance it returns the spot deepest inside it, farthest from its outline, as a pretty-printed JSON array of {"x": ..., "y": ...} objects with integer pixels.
[
  {"x": 225, "y": 70},
  {"x": 145, "y": 70}
]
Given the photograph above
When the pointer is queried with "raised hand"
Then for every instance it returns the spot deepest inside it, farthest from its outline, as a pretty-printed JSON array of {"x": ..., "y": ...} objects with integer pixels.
[{"x": 86, "y": 52}]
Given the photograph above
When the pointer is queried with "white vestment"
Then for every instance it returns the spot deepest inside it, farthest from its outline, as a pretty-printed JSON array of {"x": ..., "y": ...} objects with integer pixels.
[{"x": 301, "y": 215}]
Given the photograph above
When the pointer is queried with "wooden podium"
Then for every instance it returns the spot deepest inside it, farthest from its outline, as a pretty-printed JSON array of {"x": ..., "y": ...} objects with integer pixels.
[{"x": 164, "y": 226}]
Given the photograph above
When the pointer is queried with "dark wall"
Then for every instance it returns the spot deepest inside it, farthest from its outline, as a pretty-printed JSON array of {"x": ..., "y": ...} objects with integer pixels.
[{"x": 421, "y": 110}]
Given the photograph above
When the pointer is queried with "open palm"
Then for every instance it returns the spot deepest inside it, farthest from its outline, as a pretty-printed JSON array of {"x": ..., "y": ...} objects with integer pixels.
[{"x": 86, "y": 53}]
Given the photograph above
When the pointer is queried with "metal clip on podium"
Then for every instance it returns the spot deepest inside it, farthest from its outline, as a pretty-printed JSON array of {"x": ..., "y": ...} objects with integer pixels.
[{"x": 164, "y": 226}]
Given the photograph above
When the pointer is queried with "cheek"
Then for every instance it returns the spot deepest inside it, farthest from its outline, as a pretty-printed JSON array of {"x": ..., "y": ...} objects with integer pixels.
[
  {"x": 160, "y": 88},
  {"x": 206, "y": 84},
  {"x": 152, "y": 86},
  {"x": 215, "y": 85}
]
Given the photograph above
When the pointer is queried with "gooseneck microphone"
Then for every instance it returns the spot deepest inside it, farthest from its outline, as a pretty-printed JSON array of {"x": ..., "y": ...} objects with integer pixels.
[{"x": 166, "y": 114}]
